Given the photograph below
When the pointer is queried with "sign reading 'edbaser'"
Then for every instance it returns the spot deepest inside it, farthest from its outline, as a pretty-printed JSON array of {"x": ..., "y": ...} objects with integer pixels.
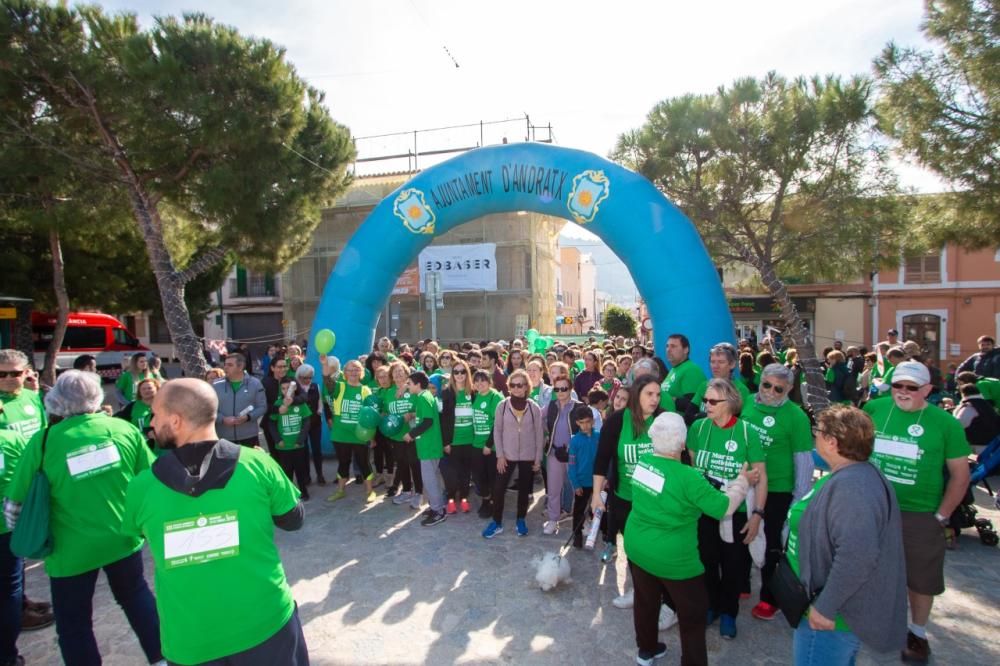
[{"x": 462, "y": 267}]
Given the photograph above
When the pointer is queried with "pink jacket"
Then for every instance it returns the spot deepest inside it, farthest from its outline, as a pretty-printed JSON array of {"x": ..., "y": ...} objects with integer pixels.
[{"x": 522, "y": 440}]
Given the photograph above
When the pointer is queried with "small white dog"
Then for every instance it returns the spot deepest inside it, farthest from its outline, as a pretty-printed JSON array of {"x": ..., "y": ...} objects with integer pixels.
[{"x": 552, "y": 570}]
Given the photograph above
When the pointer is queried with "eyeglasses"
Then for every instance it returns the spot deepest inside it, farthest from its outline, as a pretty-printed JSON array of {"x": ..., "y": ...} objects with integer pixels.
[
  {"x": 458, "y": 372},
  {"x": 817, "y": 431},
  {"x": 773, "y": 387},
  {"x": 518, "y": 386},
  {"x": 10, "y": 373},
  {"x": 714, "y": 401},
  {"x": 560, "y": 390},
  {"x": 905, "y": 387}
]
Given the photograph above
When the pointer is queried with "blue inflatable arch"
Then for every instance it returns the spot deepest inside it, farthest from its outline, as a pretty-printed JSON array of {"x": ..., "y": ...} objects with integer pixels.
[{"x": 656, "y": 241}]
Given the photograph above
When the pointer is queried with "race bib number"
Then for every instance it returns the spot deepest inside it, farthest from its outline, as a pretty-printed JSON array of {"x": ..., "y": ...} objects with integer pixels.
[
  {"x": 897, "y": 460},
  {"x": 463, "y": 412},
  {"x": 648, "y": 478},
  {"x": 92, "y": 460},
  {"x": 201, "y": 540}
]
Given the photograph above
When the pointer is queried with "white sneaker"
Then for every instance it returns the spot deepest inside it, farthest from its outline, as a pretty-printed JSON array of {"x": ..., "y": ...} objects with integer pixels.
[
  {"x": 624, "y": 601},
  {"x": 416, "y": 501},
  {"x": 550, "y": 527},
  {"x": 668, "y": 618},
  {"x": 402, "y": 498}
]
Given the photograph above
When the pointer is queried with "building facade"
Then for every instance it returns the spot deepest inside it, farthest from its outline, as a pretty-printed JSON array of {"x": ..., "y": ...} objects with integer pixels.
[
  {"x": 577, "y": 300},
  {"x": 526, "y": 265}
]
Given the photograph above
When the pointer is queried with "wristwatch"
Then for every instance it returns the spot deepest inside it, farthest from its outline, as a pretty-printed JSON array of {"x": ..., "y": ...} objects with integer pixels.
[
  {"x": 941, "y": 519},
  {"x": 759, "y": 512}
]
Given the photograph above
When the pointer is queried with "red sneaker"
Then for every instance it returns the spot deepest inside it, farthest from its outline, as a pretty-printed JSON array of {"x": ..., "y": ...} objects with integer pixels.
[
  {"x": 764, "y": 611},
  {"x": 451, "y": 507},
  {"x": 465, "y": 506}
]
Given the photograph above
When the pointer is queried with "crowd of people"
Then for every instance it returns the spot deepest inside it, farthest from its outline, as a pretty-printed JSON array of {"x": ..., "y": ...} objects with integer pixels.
[{"x": 702, "y": 476}]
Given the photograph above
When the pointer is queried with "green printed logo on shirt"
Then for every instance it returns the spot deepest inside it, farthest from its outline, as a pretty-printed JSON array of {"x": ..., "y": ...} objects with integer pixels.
[
  {"x": 201, "y": 539},
  {"x": 93, "y": 459}
]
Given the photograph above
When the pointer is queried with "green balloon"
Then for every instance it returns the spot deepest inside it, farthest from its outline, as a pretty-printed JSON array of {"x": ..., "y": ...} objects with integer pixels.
[
  {"x": 391, "y": 425},
  {"x": 371, "y": 401},
  {"x": 368, "y": 418},
  {"x": 325, "y": 341},
  {"x": 530, "y": 335},
  {"x": 364, "y": 434},
  {"x": 579, "y": 364},
  {"x": 538, "y": 346}
]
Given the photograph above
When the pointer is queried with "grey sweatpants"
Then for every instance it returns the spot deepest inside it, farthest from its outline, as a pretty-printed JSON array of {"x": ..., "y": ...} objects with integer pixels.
[{"x": 432, "y": 484}]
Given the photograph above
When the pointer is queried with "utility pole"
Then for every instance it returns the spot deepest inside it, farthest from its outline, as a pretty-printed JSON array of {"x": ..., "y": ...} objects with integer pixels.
[{"x": 435, "y": 299}]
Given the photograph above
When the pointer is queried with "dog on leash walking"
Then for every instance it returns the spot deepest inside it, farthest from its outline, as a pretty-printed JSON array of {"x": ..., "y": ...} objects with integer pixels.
[{"x": 551, "y": 570}]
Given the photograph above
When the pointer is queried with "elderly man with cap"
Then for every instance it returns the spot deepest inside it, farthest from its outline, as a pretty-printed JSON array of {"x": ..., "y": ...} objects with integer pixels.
[
  {"x": 914, "y": 441},
  {"x": 208, "y": 508}
]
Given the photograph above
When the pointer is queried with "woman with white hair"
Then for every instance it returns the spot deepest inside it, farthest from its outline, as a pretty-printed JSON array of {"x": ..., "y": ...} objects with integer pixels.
[
  {"x": 89, "y": 459},
  {"x": 661, "y": 540}
]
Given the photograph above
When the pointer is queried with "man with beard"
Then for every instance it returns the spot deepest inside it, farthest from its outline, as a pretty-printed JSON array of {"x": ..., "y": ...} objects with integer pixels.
[
  {"x": 787, "y": 441},
  {"x": 914, "y": 441},
  {"x": 215, "y": 560}
]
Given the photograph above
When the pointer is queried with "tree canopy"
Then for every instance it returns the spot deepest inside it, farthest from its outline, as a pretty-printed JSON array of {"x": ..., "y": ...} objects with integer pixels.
[
  {"x": 208, "y": 138},
  {"x": 785, "y": 175},
  {"x": 619, "y": 321},
  {"x": 943, "y": 106}
]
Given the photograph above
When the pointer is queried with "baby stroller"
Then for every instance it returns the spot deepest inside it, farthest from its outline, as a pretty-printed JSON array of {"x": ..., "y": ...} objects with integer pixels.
[{"x": 964, "y": 516}]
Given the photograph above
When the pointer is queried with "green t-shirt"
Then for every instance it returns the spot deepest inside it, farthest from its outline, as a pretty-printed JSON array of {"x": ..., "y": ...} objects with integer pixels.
[
  {"x": 141, "y": 415},
  {"x": 399, "y": 405},
  {"x": 429, "y": 444},
  {"x": 661, "y": 534},
  {"x": 345, "y": 402},
  {"x": 667, "y": 403},
  {"x": 22, "y": 413},
  {"x": 220, "y": 586},
  {"x": 911, "y": 449},
  {"x": 89, "y": 461},
  {"x": 464, "y": 431},
  {"x": 794, "y": 518},
  {"x": 11, "y": 447},
  {"x": 738, "y": 382},
  {"x": 484, "y": 412},
  {"x": 534, "y": 394},
  {"x": 721, "y": 452},
  {"x": 290, "y": 424},
  {"x": 783, "y": 431},
  {"x": 631, "y": 447},
  {"x": 683, "y": 379},
  {"x": 128, "y": 384}
]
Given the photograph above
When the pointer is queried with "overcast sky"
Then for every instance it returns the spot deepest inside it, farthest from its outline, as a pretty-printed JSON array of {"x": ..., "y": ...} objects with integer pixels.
[{"x": 592, "y": 69}]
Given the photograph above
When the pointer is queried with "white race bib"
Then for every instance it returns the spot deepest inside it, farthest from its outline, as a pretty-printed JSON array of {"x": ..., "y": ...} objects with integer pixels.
[
  {"x": 201, "y": 540},
  {"x": 2, "y": 467},
  {"x": 464, "y": 411},
  {"x": 649, "y": 478},
  {"x": 898, "y": 449},
  {"x": 93, "y": 459}
]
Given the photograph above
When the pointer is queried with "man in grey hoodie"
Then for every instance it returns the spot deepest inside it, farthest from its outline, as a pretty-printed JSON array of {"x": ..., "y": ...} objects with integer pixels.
[{"x": 242, "y": 403}]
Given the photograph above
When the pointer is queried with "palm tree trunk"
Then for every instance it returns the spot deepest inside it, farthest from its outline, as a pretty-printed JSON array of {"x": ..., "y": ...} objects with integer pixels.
[
  {"x": 48, "y": 377},
  {"x": 815, "y": 395}
]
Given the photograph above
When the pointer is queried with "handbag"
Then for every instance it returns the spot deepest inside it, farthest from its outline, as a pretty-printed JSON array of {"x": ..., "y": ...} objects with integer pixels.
[
  {"x": 561, "y": 453},
  {"x": 32, "y": 535},
  {"x": 790, "y": 594}
]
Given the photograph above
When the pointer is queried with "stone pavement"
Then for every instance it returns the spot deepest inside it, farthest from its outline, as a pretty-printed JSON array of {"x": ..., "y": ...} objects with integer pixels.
[{"x": 374, "y": 587}]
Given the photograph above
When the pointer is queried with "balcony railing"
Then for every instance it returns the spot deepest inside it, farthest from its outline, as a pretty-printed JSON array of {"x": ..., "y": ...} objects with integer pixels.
[{"x": 254, "y": 287}]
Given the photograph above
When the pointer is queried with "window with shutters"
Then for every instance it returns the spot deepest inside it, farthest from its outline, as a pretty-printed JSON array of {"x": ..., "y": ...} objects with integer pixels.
[{"x": 923, "y": 270}]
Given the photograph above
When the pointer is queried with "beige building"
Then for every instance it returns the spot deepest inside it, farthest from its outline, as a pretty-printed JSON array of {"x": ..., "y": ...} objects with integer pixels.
[
  {"x": 577, "y": 292},
  {"x": 526, "y": 263}
]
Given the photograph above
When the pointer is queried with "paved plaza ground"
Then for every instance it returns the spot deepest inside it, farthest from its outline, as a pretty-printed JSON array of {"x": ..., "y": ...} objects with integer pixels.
[{"x": 374, "y": 587}]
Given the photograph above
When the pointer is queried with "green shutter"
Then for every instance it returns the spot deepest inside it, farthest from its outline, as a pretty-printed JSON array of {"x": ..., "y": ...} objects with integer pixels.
[
  {"x": 268, "y": 284},
  {"x": 241, "y": 281}
]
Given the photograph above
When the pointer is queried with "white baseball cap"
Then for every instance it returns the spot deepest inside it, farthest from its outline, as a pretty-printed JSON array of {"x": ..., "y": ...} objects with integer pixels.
[{"x": 912, "y": 371}]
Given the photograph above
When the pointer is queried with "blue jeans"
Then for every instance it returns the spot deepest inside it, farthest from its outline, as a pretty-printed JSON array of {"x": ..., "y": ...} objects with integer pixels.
[
  {"x": 73, "y": 605},
  {"x": 823, "y": 648},
  {"x": 11, "y": 595}
]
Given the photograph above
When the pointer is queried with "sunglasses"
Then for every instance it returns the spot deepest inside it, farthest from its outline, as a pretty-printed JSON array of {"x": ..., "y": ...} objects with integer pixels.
[
  {"x": 10, "y": 373},
  {"x": 560, "y": 390},
  {"x": 458, "y": 372},
  {"x": 905, "y": 387},
  {"x": 516, "y": 385},
  {"x": 777, "y": 389},
  {"x": 714, "y": 401}
]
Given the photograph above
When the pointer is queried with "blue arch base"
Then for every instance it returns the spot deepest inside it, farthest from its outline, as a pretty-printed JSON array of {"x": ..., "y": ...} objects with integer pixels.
[{"x": 656, "y": 241}]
